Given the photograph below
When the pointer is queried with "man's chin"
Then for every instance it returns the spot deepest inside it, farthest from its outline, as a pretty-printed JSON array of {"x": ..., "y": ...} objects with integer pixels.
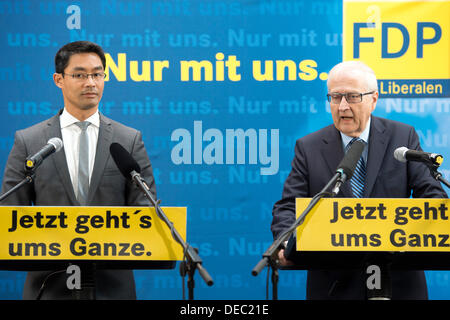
[
  {"x": 89, "y": 106},
  {"x": 349, "y": 131}
]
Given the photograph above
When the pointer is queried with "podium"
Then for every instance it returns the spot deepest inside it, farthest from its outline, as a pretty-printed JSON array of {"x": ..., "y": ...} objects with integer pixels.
[
  {"x": 413, "y": 233},
  {"x": 89, "y": 238},
  {"x": 41, "y": 265},
  {"x": 350, "y": 233},
  {"x": 89, "y": 233},
  {"x": 319, "y": 260}
]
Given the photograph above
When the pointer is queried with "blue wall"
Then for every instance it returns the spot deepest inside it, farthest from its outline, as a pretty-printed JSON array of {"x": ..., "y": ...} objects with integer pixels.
[{"x": 229, "y": 202}]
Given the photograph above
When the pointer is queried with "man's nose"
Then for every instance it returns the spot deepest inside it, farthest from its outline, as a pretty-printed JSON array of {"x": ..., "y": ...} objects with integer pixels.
[
  {"x": 90, "y": 81},
  {"x": 343, "y": 106}
]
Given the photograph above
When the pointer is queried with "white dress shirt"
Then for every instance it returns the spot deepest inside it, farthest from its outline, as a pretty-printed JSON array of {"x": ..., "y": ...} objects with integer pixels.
[{"x": 71, "y": 138}]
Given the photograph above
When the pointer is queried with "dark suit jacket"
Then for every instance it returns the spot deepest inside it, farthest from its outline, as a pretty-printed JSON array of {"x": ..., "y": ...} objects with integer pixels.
[
  {"x": 52, "y": 186},
  {"x": 317, "y": 157}
]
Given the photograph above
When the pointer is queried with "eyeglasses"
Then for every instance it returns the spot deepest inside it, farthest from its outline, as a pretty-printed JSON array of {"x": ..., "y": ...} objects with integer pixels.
[
  {"x": 350, "y": 97},
  {"x": 97, "y": 76}
]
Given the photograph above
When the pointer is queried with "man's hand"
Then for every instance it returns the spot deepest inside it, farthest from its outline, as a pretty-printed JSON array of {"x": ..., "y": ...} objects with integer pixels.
[{"x": 282, "y": 260}]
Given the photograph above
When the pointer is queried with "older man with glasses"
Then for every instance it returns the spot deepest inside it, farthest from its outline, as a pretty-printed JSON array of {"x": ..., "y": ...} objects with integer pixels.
[{"x": 353, "y": 95}]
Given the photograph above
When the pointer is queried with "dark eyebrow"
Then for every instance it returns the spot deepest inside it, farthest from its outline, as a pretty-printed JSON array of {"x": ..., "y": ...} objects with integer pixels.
[{"x": 83, "y": 69}]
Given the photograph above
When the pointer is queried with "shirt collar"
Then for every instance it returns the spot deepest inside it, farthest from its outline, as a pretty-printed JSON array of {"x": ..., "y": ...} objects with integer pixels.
[
  {"x": 363, "y": 136},
  {"x": 66, "y": 119}
]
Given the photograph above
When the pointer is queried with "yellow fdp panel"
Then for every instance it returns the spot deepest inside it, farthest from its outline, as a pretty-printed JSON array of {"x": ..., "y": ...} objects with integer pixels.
[{"x": 406, "y": 43}]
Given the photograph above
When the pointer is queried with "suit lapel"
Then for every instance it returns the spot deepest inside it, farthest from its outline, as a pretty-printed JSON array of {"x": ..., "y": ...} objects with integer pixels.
[
  {"x": 333, "y": 153},
  {"x": 101, "y": 154},
  {"x": 59, "y": 158},
  {"x": 377, "y": 148}
]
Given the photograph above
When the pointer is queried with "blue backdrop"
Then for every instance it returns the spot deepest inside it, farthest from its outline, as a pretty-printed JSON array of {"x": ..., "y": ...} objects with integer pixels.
[{"x": 229, "y": 193}]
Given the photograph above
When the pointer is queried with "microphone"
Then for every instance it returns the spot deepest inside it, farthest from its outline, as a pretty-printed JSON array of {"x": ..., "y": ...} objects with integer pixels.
[
  {"x": 124, "y": 161},
  {"x": 404, "y": 154},
  {"x": 129, "y": 168},
  {"x": 53, "y": 145},
  {"x": 348, "y": 164}
]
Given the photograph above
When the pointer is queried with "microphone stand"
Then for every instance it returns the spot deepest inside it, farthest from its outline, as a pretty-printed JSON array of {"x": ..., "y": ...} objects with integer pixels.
[
  {"x": 436, "y": 174},
  {"x": 192, "y": 260},
  {"x": 270, "y": 257},
  {"x": 87, "y": 289},
  {"x": 383, "y": 260},
  {"x": 29, "y": 177}
]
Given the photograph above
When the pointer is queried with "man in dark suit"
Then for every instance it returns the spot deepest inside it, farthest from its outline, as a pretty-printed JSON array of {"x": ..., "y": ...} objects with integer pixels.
[
  {"x": 353, "y": 94},
  {"x": 59, "y": 179}
]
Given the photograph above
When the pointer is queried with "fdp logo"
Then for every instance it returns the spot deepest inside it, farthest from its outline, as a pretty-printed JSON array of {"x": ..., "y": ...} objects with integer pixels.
[{"x": 406, "y": 43}]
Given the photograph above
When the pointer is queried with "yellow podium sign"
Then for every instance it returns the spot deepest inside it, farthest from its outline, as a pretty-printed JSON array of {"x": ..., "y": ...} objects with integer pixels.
[
  {"x": 351, "y": 224},
  {"x": 89, "y": 233}
]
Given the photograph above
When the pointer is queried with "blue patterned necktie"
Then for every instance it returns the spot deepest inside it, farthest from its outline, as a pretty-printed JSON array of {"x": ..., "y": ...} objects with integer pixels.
[{"x": 359, "y": 176}]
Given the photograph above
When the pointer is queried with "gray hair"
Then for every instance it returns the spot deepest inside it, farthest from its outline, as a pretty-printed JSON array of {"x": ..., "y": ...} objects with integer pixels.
[{"x": 369, "y": 74}]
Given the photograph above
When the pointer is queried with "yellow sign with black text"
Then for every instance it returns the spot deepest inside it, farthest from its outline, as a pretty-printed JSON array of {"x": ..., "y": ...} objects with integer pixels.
[
  {"x": 89, "y": 233},
  {"x": 407, "y": 43},
  {"x": 350, "y": 224}
]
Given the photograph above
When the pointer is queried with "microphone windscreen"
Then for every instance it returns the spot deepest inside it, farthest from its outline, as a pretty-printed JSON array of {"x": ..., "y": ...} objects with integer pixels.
[
  {"x": 56, "y": 142},
  {"x": 348, "y": 164},
  {"x": 399, "y": 154},
  {"x": 123, "y": 159}
]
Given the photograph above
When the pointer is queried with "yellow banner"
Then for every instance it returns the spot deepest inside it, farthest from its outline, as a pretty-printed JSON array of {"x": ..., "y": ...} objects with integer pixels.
[
  {"x": 406, "y": 43},
  {"x": 89, "y": 233},
  {"x": 341, "y": 224}
]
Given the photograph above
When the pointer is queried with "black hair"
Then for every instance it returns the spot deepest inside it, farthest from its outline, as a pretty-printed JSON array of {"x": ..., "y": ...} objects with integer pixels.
[{"x": 63, "y": 55}]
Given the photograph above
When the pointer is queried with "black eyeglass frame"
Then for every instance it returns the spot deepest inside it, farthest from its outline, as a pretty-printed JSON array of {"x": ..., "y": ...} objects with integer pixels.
[{"x": 346, "y": 95}]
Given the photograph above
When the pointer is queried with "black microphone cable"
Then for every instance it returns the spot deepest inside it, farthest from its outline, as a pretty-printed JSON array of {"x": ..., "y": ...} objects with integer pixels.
[{"x": 41, "y": 289}]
